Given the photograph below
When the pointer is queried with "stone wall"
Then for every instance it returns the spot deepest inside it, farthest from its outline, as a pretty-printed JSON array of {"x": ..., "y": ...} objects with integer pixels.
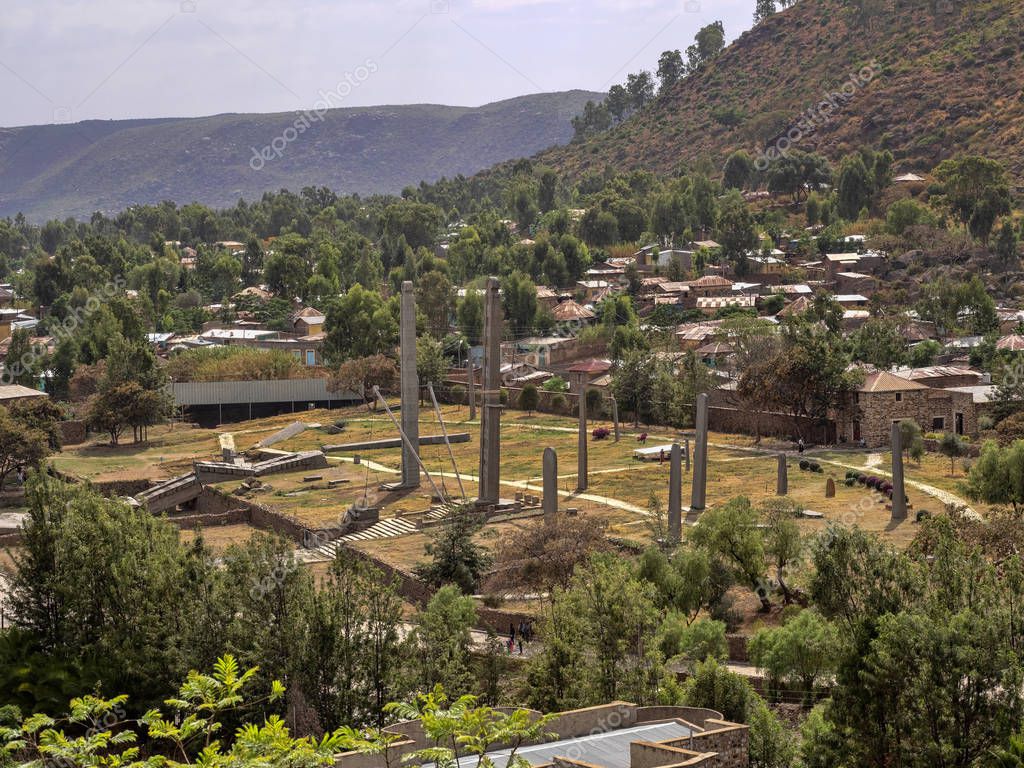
[
  {"x": 729, "y": 742},
  {"x": 722, "y": 418},
  {"x": 213, "y": 501}
]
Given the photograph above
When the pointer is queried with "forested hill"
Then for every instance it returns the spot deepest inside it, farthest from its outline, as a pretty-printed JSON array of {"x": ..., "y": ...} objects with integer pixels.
[
  {"x": 951, "y": 80},
  {"x": 76, "y": 169}
]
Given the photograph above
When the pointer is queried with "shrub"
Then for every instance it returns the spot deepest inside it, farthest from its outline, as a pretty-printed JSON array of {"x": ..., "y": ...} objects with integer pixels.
[
  {"x": 814, "y": 466},
  {"x": 601, "y": 433},
  {"x": 459, "y": 394},
  {"x": 850, "y": 482},
  {"x": 862, "y": 478},
  {"x": 804, "y": 464},
  {"x": 558, "y": 403}
]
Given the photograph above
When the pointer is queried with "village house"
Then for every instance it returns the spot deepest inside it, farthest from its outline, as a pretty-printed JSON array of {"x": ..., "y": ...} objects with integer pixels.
[
  {"x": 885, "y": 398},
  {"x": 710, "y": 305},
  {"x": 593, "y": 290},
  {"x": 540, "y": 351},
  {"x": 546, "y": 297},
  {"x": 693, "y": 336},
  {"x": 868, "y": 262},
  {"x": 308, "y": 322},
  {"x": 570, "y": 311},
  {"x": 855, "y": 282},
  {"x": 15, "y": 393},
  {"x": 710, "y": 285},
  {"x": 942, "y": 376}
]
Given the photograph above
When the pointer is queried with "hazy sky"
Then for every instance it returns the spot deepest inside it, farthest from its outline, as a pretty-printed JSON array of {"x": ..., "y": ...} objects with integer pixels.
[{"x": 71, "y": 60}]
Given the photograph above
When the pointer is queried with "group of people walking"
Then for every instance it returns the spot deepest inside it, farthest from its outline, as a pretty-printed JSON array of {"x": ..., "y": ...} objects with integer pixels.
[{"x": 519, "y": 636}]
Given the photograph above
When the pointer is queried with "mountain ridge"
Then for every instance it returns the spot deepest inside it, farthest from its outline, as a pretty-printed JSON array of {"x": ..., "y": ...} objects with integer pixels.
[{"x": 76, "y": 169}]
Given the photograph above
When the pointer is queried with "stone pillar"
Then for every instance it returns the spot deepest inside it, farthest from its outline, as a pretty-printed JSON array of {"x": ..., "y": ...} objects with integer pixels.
[
  {"x": 899, "y": 491},
  {"x": 686, "y": 453},
  {"x": 471, "y": 388},
  {"x": 410, "y": 388},
  {"x": 700, "y": 457},
  {"x": 581, "y": 465},
  {"x": 615, "y": 417},
  {"x": 550, "y": 472},
  {"x": 490, "y": 417},
  {"x": 675, "y": 495},
  {"x": 782, "y": 479}
]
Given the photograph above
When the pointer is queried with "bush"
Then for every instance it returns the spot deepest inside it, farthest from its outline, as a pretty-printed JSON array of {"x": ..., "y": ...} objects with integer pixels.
[
  {"x": 459, "y": 394},
  {"x": 601, "y": 433},
  {"x": 850, "y": 482},
  {"x": 814, "y": 466},
  {"x": 558, "y": 403},
  {"x": 529, "y": 398},
  {"x": 862, "y": 478},
  {"x": 804, "y": 464}
]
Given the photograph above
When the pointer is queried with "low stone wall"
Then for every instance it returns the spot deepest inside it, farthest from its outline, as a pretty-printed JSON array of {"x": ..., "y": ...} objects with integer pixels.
[
  {"x": 738, "y": 421},
  {"x": 729, "y": 741},
  {"x": 409, "y": 587},
  {"x": 112, "y": 488},
  {"x": 12, "y": 539},
  {"x": 213, "y": 501},
  {"x": 209, "y": 520}
]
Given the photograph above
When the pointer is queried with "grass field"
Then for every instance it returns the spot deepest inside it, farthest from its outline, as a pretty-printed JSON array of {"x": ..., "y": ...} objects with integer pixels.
[{"x": 619, "y": 491}]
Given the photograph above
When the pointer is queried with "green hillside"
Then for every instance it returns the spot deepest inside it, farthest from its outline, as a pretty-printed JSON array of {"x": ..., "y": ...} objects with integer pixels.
[{"x": 74, "y": 170}]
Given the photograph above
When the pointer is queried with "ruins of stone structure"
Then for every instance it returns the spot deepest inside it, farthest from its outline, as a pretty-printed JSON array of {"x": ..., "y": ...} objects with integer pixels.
[{"x": 782, "y": 477}]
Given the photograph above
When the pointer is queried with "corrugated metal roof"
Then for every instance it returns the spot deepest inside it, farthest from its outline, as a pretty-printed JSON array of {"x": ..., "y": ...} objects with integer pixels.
[{"x": 225, "y": 392}]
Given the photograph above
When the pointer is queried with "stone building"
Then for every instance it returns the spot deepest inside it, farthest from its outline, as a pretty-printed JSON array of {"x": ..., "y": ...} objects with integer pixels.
[
  {"x": 885, "y": 398},
  {"x": 615, "y": 735}
]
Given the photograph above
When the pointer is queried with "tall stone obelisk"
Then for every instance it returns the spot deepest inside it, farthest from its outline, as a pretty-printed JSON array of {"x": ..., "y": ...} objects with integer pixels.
[
  {"x": 700, "y": 457},
  {"x": 490, "y": 416},
  {"x": 550, "y": 475},
  {"x": 899, "y": 491},
  {"x": 581, "y": 441},
  {"x": 410, "y": 389},
  {"x": 675, "y": 495}
]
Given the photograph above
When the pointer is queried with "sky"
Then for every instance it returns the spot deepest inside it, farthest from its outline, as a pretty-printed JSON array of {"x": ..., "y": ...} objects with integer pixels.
[{"x": 70, "y": 60}]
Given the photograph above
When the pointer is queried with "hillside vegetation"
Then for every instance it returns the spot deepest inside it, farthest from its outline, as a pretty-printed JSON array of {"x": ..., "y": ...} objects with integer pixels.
[
  {"x": 74, "y": 170},
  {"x": 949, "y": 80}
]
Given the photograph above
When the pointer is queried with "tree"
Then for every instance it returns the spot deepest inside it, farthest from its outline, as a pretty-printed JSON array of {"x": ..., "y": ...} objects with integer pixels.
[
  {"x": 470, "y": 315},
  {"x": 976, "y": 190},
  {"x": 544, "y": 555},
  {"x": 618, "y": 102},
  {"x": 96, "y": 731},
  {"x": 770, "y": 743},
  {"x": 906, "y": 213},
  {"x": 520, "y": 299},
  {"x": 912, "y": 439},
  {"x": 633, "y": 384},
  {"x": 708, "y": 43},
  {"x": 854, "y": 187},
  {"x": 21, "y": 445},
  {"x": 362, "y": 374},
  {"x": 713, "y": 686},
  {"x": 24, "y": 361},
  {"x": 529, "y": 398},
  {"x": 441, "y": 641},
  {"x": 763, "y": 9},
  {"x": 1007, "y": 244},
  {"x": 730, "y": 533},
  {"x": 350, "y": 656},
  {"x": 360, "y": 324},
  {"x": 671, "y": 69},
  {"x": 455, "y": 557},
  {"x": 880, "y": 343},
  {"x": 800, "y": 653},
  {"x": 952, "y": 447},
  {"x": 738, "y": 170},
  {"x": 640, "y": 87},
  {"x": 997, "y": 477},
  {"x": 435, "y": 297},
  {"x": 431, "y": 363},
  {"x": 736, "y": 231}
]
